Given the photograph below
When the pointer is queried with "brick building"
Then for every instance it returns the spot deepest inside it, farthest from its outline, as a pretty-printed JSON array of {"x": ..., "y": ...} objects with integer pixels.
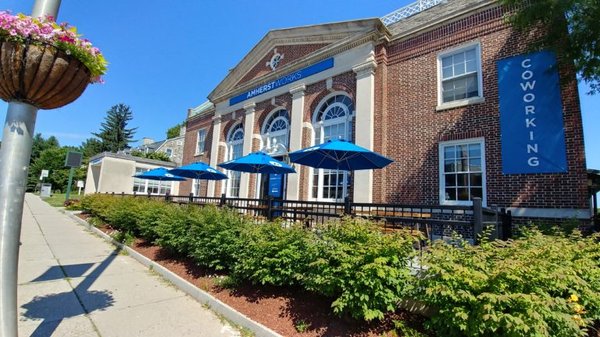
[{"x": 430, "y": 90}]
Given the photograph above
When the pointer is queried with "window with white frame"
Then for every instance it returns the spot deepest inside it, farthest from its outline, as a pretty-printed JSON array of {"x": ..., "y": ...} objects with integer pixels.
[
  {"x": 150, "y": 186},
  {"x": 460, "y": 77},
  {"x": 201, "y": 141},
  {"x": 196, "y": 187},
  {"x": 332, "y": 120},
  {"x": 139, "y": 185},
  {"x": 462, "y": 171},
  {"x": 276, "y": 132},
  {"x": 169, "y": 152},
  {"x": 235, "y": 149}
]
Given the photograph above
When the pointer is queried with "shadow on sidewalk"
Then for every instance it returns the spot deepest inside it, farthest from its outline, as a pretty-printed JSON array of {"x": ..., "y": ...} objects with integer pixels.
[{"x": 53, "y": 308}]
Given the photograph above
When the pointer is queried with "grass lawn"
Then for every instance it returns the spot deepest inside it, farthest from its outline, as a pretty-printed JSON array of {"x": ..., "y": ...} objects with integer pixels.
[{"x": 58, "y": 199}]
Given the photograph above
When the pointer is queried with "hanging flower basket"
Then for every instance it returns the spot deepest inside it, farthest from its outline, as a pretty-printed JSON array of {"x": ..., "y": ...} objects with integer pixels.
[{"x": 45, "y": 64}]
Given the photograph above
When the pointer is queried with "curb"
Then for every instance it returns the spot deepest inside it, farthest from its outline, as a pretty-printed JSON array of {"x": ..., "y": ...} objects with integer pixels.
[{"x": 199, "y": 295}]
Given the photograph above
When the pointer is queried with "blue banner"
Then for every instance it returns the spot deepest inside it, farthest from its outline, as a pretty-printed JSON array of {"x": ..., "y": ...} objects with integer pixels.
[
  {"x": 284, "y": 80},
  {"x": 531, "y": 115}
]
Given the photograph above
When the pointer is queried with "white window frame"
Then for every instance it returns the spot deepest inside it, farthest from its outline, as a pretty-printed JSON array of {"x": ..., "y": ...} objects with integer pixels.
[
  {"x": 203, "y": 147},
  {"x": 196, "y": 187},
  {"x": 466, "y": 101},
  {"x": 161, "y": 185},
  {"x": 441, "y": 178},
  {"x": 229, "y": 156},
  {"x": 320, "y": 125},
  {"x": 169, "y": 152}
]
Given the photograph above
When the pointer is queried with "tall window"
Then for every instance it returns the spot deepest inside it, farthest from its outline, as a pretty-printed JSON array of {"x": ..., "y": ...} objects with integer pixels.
[
  {"x": 460, "y": 74},
  {"x": 169, "y": 152},
  {"x": 332, "y": 120},
  {"x": 196, "y": 187},
  {"x": 276, "y": 132},
  {"x": 201, "y": 143},
  {"x": 235, "y": 144},
  {"x": 462, "y": 171}
]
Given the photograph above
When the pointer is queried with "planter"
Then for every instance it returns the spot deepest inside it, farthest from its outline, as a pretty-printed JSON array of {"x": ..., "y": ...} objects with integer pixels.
[{"x": 40, "y": 75}]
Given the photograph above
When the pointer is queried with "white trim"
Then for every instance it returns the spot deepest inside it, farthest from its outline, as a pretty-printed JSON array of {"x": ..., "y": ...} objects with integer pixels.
[
  {"x": 442, "y": 190},
  {"x": 553, "y": 213},
  {"x": 471, "y": 100},
  {"x": 319, "y": 124}
]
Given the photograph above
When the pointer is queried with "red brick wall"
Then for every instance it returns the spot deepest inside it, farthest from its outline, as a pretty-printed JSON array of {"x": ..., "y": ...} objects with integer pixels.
[
  {"x": 414, "y": 128},
  {"x": 290, "y": 54},
  {"x": 189, "y": 148}
]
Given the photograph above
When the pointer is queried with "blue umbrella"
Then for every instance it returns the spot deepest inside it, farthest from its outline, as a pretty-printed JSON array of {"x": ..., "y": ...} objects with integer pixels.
[
  {"x": 339, "y": 155},
  {"x": 160, "y": 173},
  {"x": 257, "y": 162},
  {"x": 198, "y": 170}
]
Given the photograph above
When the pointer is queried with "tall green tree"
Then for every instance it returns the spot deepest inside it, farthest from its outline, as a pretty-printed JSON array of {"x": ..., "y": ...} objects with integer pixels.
[
  {"x": 572, "y": 30},
  {"x": 114, "y": 133},
  {"x": 40, "y": 144},
  {"x": 91, "y": 147},
  {"x": 53, "y": 160}
]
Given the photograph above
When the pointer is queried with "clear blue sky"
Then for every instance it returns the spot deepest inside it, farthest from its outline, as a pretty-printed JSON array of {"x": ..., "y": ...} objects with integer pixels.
[{"x": 166, "y": 56}]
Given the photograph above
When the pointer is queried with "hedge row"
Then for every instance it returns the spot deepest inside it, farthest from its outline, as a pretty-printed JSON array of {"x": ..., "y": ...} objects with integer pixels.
[{"x": 537, "y": 285}]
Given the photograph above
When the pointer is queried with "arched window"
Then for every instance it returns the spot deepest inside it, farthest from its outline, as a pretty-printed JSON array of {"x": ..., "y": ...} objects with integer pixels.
[
  {"x": 276, "y": 133},
  {"x": 332, "y": 120},
  {"x": 235, "y": 149}
]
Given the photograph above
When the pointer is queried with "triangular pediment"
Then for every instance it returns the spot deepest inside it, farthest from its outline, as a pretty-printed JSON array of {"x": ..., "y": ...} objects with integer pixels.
[{"x": 287, "y": 49}]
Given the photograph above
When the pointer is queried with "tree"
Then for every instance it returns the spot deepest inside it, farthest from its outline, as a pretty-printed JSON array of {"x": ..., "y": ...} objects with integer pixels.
[
  {"x": 114, "y": 133},
  {"x": 572, "y": 30},
  {"x": 53, "y": 160},
  {"x": 174, "y": 131},
  {"x": 154, "y": 155},
  {"x": 40, "y": 144},
  {"x": 91, "y": 147}
]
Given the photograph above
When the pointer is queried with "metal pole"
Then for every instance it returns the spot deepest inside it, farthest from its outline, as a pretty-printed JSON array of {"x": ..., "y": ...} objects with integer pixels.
[
  {"x": 45, "y": 7},
  {"x": 14, "y": 162},
  {"x": 15, "y": 153},
  {"x": 69, "y": 183}
]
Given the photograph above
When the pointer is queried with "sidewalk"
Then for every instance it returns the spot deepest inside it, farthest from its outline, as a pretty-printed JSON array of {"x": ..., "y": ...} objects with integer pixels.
[{"x": 72, "y": 283}]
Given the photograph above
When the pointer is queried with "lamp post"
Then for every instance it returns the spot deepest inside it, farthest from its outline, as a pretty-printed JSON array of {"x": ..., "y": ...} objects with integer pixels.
[{"x": 15, "y": 153}]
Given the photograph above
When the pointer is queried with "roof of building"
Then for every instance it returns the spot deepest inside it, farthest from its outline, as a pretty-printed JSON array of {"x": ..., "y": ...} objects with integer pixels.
[{"x": 133, "y": 158}]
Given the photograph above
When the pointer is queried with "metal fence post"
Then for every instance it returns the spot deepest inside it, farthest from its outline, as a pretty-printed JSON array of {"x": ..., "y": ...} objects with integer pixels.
[
  {"x": 477, "y": 218},
  {"x": 269, "y": 208},
  {"x": 347, "y": 207},
  {"x": 223, "y": 200},
  {"x": 191, "y": 197},
  {"x": 167, "y": 196},
  {"x": 122, "y": 194}
]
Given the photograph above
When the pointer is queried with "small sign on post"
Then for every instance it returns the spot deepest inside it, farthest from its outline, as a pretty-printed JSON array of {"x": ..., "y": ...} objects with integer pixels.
[
  {"x": 44, "y": 174},
  {"x": 80, "y": 186}
]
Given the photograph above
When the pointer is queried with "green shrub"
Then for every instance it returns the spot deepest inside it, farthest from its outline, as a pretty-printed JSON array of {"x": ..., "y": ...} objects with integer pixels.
[
  {"x": 171, "y": 228},
  {"x": 272, "y": 254},
  {"x": 149, "y": 217},
  {"x": 537, "y": 285},
  {"x": 214, "y": 236},
  {"x": 363, "y": 269},
  {"x": 123, "y": 214}
]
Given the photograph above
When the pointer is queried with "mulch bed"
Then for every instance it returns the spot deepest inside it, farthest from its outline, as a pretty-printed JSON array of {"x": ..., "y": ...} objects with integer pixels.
[{"x": 280, "y": 309}]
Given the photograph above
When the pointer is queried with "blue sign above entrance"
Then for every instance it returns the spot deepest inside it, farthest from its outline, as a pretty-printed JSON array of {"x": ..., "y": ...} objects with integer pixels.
[
  {"x": 284, "y": 80},
  {"x": 531, "y": 115}
]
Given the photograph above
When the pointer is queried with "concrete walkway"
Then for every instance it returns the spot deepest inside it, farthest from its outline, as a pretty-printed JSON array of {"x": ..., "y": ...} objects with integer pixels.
[{"x": 72, "y": 283}]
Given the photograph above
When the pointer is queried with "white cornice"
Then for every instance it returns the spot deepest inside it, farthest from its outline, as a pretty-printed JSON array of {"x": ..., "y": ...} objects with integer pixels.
[{"x": 337, "y": 35}]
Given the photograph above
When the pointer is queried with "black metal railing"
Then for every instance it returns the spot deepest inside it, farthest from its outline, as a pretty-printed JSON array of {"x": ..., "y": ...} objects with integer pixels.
[{"x": 432, "y": 221}]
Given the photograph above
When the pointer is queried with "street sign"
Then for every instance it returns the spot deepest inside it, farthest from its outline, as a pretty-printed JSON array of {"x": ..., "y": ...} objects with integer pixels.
[
  {"x": 73, "y": 159},
  {"x": 44, "y": 174},
  {"x": 80, "y": 183}
]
